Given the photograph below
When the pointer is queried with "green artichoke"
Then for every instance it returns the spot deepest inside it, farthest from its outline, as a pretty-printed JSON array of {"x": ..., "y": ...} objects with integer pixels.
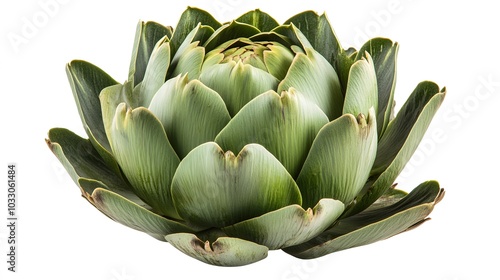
[{"x": 228, "y": 140}]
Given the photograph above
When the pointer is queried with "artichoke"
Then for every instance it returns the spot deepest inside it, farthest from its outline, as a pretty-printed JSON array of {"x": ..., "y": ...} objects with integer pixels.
[{"x": 229, "y": 140}]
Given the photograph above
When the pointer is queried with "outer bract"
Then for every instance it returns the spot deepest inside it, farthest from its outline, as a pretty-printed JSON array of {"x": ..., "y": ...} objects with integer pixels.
[{"x": 228, "y": 140}]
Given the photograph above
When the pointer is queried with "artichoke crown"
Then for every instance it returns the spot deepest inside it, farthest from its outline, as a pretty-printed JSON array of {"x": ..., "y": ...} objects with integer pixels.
[{"x": 231, "y": 139}]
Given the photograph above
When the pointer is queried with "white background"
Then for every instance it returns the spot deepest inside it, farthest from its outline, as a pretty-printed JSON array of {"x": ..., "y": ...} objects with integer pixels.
[{"x": 61, "y": 236}]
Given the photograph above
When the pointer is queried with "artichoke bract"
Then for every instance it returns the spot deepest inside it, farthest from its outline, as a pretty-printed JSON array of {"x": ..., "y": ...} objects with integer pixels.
[{"x": 229, "y": 140}]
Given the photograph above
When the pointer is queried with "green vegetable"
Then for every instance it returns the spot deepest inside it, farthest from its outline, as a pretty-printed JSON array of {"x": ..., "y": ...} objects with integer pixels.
[{"x": 228, "y": 140}]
